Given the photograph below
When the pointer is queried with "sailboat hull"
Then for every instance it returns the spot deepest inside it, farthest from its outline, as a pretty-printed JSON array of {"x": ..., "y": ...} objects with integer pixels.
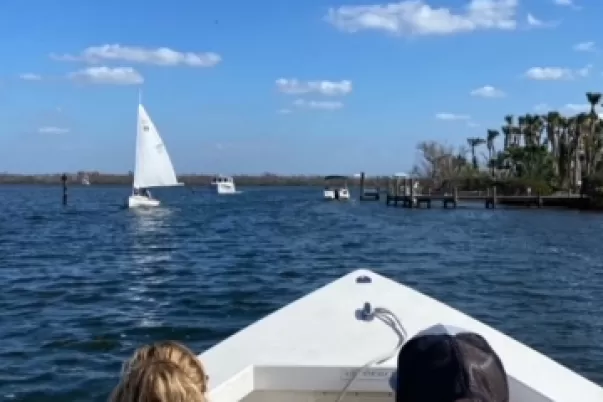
[{"x": 137, "y": 201}]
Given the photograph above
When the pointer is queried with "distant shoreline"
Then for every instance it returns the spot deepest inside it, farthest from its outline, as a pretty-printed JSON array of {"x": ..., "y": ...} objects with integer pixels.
[{"x": 105, "y": 179}]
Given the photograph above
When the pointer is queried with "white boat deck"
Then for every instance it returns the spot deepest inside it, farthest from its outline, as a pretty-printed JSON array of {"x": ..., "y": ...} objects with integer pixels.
[{"x": 308, "y": 350}]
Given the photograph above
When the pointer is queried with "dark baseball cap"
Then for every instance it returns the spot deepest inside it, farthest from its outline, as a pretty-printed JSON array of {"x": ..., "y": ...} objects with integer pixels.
[{"x": 447, "y": 364}]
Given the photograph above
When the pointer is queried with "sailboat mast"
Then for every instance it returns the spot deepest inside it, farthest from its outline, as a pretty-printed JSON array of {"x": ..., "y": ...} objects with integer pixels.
[{"x": 136, "y": 156}]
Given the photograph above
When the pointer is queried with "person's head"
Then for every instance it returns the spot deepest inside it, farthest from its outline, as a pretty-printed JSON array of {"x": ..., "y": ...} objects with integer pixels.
[
  {"x": 157, "y": 381},
  {"x": 445, "y": 367},
  {"x": 174, "y": 352}
]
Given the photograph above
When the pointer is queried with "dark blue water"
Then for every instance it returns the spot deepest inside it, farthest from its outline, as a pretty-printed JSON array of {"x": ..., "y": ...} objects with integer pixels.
[{"x": 83, "y": 286}]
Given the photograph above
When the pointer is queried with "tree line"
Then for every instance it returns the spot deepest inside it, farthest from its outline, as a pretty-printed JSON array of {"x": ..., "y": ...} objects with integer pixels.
[
  {"x": 98, "y": 178},
  {"x": 544, "y": 152}
]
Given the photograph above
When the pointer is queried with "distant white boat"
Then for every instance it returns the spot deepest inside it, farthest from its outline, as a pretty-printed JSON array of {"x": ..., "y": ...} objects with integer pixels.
[
  {"x": 153, "y": 166},
  {"x": 224, "y": 184},
  {"x": 85, "y": 180},
  {"x": 337, "y": 191},
  {"x": 325, "y": 344}
]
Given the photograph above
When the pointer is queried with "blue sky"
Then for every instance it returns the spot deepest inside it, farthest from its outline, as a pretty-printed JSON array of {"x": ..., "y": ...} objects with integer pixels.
[{"x": 310, "y": 86}]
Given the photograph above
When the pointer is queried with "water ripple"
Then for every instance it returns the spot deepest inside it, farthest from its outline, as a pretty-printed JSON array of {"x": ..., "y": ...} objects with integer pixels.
[{"x": 84, "y": 285}]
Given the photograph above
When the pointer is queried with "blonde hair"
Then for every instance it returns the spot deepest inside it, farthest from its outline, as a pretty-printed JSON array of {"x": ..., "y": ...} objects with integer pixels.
[
  {"x": 144, "y": 359},
  {"x": 176, "y": 353},
  {"x": 157, "y": 381}
]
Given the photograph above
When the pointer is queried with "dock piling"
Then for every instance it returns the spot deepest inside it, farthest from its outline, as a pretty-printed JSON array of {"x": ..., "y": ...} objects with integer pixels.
[
  {"x": 64, "y": 180},
  {"x": 411, "y": 202},
  {"x": 456, "y": 197},
  {"x": 373, "y": 194},
  {"x": 491, "y": 198},
  {"x": 361, "y": 185}
]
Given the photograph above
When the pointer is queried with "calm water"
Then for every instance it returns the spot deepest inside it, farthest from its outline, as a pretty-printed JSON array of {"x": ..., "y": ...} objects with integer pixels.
[{"x": 83, "y": 286}]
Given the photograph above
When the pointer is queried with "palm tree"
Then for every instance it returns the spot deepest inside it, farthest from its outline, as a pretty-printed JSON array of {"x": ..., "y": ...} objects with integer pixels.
[
  {"x": 490, "y": 137},
  {"x": 553, "y": 122},
  {"x": 581, "y": 126},
  {"x": 473, "y": 143},
  {"x": 559, "y": 150},
  {"x": 590, "y": 143},
  {"x": 520, "y": 130},
  {"x": 593, "y": 98},
  {"x": 508, "y": 130}
]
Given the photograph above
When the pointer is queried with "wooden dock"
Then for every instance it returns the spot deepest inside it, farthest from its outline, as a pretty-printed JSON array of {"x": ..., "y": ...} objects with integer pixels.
[
  {"x": 490, "y": 201},
  {"x": 405, "y": 196}
]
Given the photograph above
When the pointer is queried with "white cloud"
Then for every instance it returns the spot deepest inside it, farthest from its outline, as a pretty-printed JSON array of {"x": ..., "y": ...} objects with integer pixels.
[
  {"x": 284, "y": 111},
  {"x": 537, "y": 23},
  {"x": 557, "y": 73},
  {"x": 52, "y": 130},
  {"x": 569, "y": 108},
  {"x": 416, "y": 17},
  {"x": 162, "y": 56},
  {"x": 472, "y": 124},
  {"x": 533, "y": 21},
  {"x": 312, "y": 104},
  {"x": 576, "y": 107},
  {"x": 107, "y": 75},
  {"x": 567, "y": 3},
  {"x": 488, "y": 91},
  {"x": 331, "y": 88},
  {"x": 581, "y": 108},
  {"x": 452, "y": 116},
  {"x": 585, "y": 47},
  {"x": 548, "y": 73},
  {"x": 30, "y": 77},
  {"x": 585, "y": 71}
]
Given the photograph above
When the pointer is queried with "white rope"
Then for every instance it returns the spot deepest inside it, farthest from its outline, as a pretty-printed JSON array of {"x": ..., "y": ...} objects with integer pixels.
[{"x": 390, "y": 319}]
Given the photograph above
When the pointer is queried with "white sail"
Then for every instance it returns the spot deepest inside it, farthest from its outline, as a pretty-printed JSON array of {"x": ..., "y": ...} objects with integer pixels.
[{"x": 153, "y": 166}]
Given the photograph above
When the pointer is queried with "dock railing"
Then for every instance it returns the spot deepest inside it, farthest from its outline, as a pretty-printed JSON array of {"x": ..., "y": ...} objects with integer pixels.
[{"x": 408, "y": 194}]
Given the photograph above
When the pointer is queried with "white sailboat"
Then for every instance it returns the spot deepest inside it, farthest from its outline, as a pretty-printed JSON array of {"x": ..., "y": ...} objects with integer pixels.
[{"x": 153, "y": 166}]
